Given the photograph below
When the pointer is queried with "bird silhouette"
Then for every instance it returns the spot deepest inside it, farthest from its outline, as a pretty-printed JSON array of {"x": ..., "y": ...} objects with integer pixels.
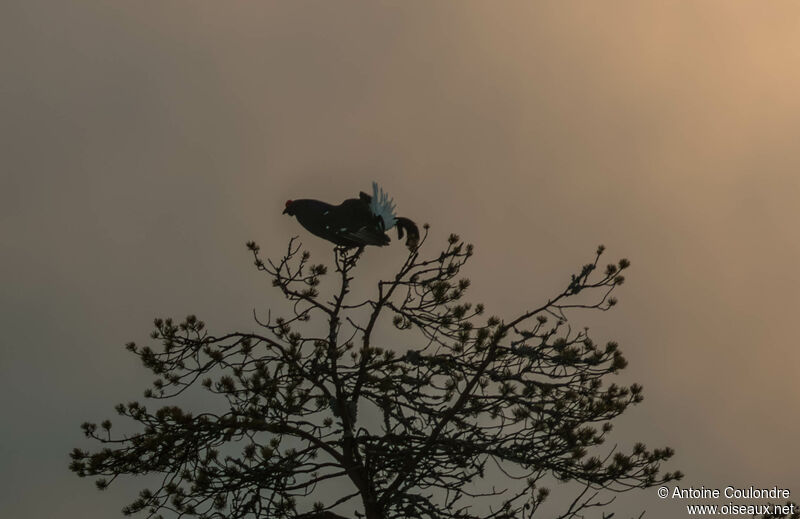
[{"x": 356, "y": 222}]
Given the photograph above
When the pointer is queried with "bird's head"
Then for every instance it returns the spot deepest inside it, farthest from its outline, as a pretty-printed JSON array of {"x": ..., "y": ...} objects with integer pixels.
[{"x": 288, "y": 209}]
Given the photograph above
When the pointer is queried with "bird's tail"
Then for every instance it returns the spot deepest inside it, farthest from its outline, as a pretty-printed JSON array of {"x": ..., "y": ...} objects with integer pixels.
[
  {"x": 383, "y": 206},
  {"x": 412, "y": 232}
]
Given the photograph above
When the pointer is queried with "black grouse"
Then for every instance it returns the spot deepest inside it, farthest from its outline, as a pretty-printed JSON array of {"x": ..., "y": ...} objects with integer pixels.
[{"x": 356, "y": 222}]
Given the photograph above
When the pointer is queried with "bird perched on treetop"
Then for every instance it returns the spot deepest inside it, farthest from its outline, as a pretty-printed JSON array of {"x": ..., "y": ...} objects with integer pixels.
[{"x": 356, "y": 222}]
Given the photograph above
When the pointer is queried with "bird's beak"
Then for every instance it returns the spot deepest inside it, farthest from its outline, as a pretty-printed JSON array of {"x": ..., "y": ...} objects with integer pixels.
[{"x": 284, "y": 211}]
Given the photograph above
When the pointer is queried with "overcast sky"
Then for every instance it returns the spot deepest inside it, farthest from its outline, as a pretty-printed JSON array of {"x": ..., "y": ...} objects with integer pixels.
[{"x": 143, "y": 143}]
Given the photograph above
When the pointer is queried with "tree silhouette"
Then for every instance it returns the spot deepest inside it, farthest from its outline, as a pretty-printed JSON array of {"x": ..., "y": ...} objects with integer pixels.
[{"x": 469, "y": 420}]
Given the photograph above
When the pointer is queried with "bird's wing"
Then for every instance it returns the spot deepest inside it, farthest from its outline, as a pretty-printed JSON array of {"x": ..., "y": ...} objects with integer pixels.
[
  {"x": 352, "y": 220},
  {"x": 363, "y": 235}
]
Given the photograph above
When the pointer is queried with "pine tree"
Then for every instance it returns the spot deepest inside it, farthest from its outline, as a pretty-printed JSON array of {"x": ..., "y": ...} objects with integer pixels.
[{"x": 470, "y": 418}]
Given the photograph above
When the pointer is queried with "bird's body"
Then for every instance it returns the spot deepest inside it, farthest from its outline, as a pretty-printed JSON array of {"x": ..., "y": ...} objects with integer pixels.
[
  {"x": 356, "y": 222},
  {"x": 348, "y": 224}
]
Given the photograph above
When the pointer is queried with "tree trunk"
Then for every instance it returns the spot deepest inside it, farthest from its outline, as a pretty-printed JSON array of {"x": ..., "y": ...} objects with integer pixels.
[
  {"x": 372, "y": 510},
  {"x": 323, "y": 515}
]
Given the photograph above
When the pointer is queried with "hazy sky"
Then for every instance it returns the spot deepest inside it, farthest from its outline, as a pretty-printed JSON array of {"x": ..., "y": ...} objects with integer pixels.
[{"x": 142, "y": 143}]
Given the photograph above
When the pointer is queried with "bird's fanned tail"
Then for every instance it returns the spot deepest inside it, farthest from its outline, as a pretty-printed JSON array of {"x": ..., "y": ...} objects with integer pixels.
[{"x": 382, "y": 206}]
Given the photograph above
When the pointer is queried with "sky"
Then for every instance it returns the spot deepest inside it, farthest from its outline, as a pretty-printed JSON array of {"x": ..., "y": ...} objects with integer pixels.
[{"x": 142, "y": 144}]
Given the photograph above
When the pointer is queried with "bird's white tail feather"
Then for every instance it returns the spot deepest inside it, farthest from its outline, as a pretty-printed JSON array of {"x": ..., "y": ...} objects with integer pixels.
[{"x": 383, "y": 206}]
